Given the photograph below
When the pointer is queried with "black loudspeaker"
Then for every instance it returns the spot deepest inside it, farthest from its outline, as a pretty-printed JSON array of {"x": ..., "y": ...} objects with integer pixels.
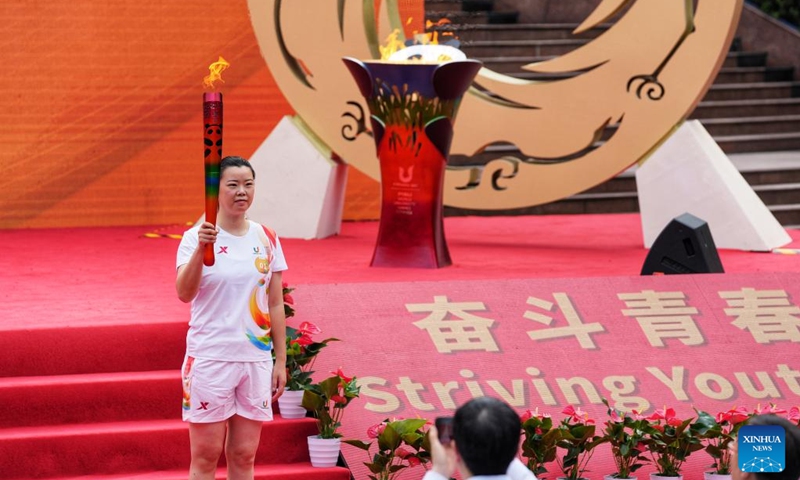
[{"x": 684, "y": 246}]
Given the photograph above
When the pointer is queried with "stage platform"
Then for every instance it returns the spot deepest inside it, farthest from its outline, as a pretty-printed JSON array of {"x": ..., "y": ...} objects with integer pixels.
[
  {"x": 542, "y": 311},
  {"x": 118, "y": 275}
]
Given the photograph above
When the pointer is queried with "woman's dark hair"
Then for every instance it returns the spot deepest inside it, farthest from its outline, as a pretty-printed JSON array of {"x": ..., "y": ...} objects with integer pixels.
[
  {"x": 234, "y": 161},
  {"x": 486, "y": 431}
]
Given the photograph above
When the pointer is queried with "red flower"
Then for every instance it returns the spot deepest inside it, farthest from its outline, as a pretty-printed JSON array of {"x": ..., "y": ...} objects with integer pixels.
[
  {"x": 375, "y": 430},
  {"x": 674, "y": 421},
  {"x": 771, "y": 409},
  {"x": 285, "y": 285},
  {"x": 308, "y": 328},
  {"x": 288, "y": 299},
  {"x": 338, "y": 399},
  {"x": 794, "y": 414},
  {"x": 402, "y": 452},
  {"x": 413, "y": 461},
  {"x": 577, "y": 415},
  {"x": 733, "y": 416},
  {"x": 344, "y": 377},
  {"x": 528, "y": 414},
  {"x": 662, "y": 414}
]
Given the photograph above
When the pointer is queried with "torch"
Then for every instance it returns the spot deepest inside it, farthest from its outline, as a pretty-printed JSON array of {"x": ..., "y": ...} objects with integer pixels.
[{"x": 212, "y": 142}]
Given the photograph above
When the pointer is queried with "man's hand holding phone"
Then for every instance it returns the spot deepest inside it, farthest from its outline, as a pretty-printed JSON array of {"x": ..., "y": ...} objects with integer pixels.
[
  {"x": 443, "y": 453},
  {"x": 444, "y": 428}
]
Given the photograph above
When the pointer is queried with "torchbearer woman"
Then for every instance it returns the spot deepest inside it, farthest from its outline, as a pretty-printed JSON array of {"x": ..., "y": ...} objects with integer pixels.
[{"x": 237, "y": 319}]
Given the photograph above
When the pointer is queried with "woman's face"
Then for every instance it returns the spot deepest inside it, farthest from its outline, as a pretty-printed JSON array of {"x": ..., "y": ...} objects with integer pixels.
[{"x": 236, "y": 189}]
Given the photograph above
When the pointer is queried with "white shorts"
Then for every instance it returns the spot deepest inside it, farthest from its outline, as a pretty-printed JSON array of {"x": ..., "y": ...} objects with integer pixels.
[{"x": 213, "y": 391}]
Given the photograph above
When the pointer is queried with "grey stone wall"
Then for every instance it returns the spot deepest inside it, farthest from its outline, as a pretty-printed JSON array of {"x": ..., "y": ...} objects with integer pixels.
[{"x": 760, "y": 32}]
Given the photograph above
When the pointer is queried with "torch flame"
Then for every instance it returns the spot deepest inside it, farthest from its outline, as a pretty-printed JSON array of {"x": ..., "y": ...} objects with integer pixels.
[
  {"x": 392, "y": 43},
  {"x": 215, "y": 73}
]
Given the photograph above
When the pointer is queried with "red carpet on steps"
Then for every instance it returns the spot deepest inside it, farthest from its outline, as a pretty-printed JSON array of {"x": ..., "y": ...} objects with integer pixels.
[{"x": 92, "y": 333}]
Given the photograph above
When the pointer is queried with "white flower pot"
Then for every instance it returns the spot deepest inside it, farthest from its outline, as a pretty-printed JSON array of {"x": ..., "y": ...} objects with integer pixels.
[
  {"x": 655, "y": 476},
  {"x": 324, "y": 452},
  {"x": 290, "y": 404},
  {"x": 612, "y": 477},
  {"x": 716, "y": 476}
]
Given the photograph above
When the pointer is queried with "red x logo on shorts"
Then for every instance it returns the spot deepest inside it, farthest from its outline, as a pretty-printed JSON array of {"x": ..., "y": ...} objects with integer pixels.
[{"x": 203, "y": 406}]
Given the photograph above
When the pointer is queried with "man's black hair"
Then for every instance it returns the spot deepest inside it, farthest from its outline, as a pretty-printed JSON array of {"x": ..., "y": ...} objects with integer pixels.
[
  {"x": 792, "y": 469},
  {"x": 487, "y": 434}
]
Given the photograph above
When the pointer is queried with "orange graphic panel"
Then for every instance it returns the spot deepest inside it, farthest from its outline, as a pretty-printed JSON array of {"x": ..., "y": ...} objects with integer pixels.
[{"x": 103, "y": 109}]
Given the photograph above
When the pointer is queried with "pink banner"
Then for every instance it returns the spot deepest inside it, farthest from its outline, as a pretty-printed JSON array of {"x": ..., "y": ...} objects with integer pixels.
[{"x": 422, "y": 349}]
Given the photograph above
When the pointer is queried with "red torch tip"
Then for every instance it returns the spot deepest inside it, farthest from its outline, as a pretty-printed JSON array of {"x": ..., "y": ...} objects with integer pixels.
[{"x": 212, "y": 97}]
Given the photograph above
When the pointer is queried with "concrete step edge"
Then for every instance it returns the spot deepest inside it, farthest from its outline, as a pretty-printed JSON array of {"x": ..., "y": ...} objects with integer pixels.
[
  {"x": 634, "y": 193},
  {"x": 753, "y": 85},
  {"x": 521, "y": 43},
  {"x": 746, "y": 103},
  {"x": 757, "y": 137},
  {"x": 784, "y": 208},
  {"x": 534, "y": 58},
  {"x": 519, "y": 26},
  {"x": 770, "y": 187},
  {"x": 764, "y": 119}
]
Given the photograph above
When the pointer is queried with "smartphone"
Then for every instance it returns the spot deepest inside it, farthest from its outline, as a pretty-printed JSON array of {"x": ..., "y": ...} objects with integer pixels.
[{"x": 444, "y": 427}]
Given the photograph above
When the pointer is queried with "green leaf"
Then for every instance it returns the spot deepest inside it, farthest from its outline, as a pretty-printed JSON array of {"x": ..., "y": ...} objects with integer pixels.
[
  {"x": 408, "y": 425},
  {"x": 358, "y": 444},
  {"x": 389, "y": 438},
  {"x": 312, "y": 401}
]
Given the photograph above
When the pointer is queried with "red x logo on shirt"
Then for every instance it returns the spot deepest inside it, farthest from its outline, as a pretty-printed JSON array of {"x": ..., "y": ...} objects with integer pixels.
[{"x": 222, "y": 250}]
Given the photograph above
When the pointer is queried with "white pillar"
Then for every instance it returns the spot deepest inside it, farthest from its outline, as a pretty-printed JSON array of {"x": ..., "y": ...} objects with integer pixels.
[
  {"x": 300, "y": 184},
  {"x": 690, "y": 173}
]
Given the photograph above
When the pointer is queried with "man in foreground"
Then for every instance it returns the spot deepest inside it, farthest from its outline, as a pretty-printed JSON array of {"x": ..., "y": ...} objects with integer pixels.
[{"x": 485, "y": 441}]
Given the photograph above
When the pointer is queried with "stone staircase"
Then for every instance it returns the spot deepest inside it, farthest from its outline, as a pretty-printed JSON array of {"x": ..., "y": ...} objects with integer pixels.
[{"x": 752, "y": 110}]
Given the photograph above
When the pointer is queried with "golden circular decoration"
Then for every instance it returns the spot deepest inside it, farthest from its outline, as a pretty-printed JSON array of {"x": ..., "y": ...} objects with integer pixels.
[{"x": 632, "y": 86}]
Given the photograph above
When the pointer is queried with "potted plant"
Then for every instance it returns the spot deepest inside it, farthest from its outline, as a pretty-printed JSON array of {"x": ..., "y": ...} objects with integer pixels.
[
  {"x": 670, "y": 442},
  {"x": 327, "y": 401},
  {"x": 627, "y": 434},
  {"x": 576, "y": 437},
  {"x": 401, "y": 444},
  {"x": 301, "y": 353},
  {"x": 717, "y": 433},
  {"x": 539, "y": 441}
]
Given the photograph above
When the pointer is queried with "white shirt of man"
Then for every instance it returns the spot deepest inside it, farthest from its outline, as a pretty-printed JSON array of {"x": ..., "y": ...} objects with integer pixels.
[{"x": 516, "y": 471}]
